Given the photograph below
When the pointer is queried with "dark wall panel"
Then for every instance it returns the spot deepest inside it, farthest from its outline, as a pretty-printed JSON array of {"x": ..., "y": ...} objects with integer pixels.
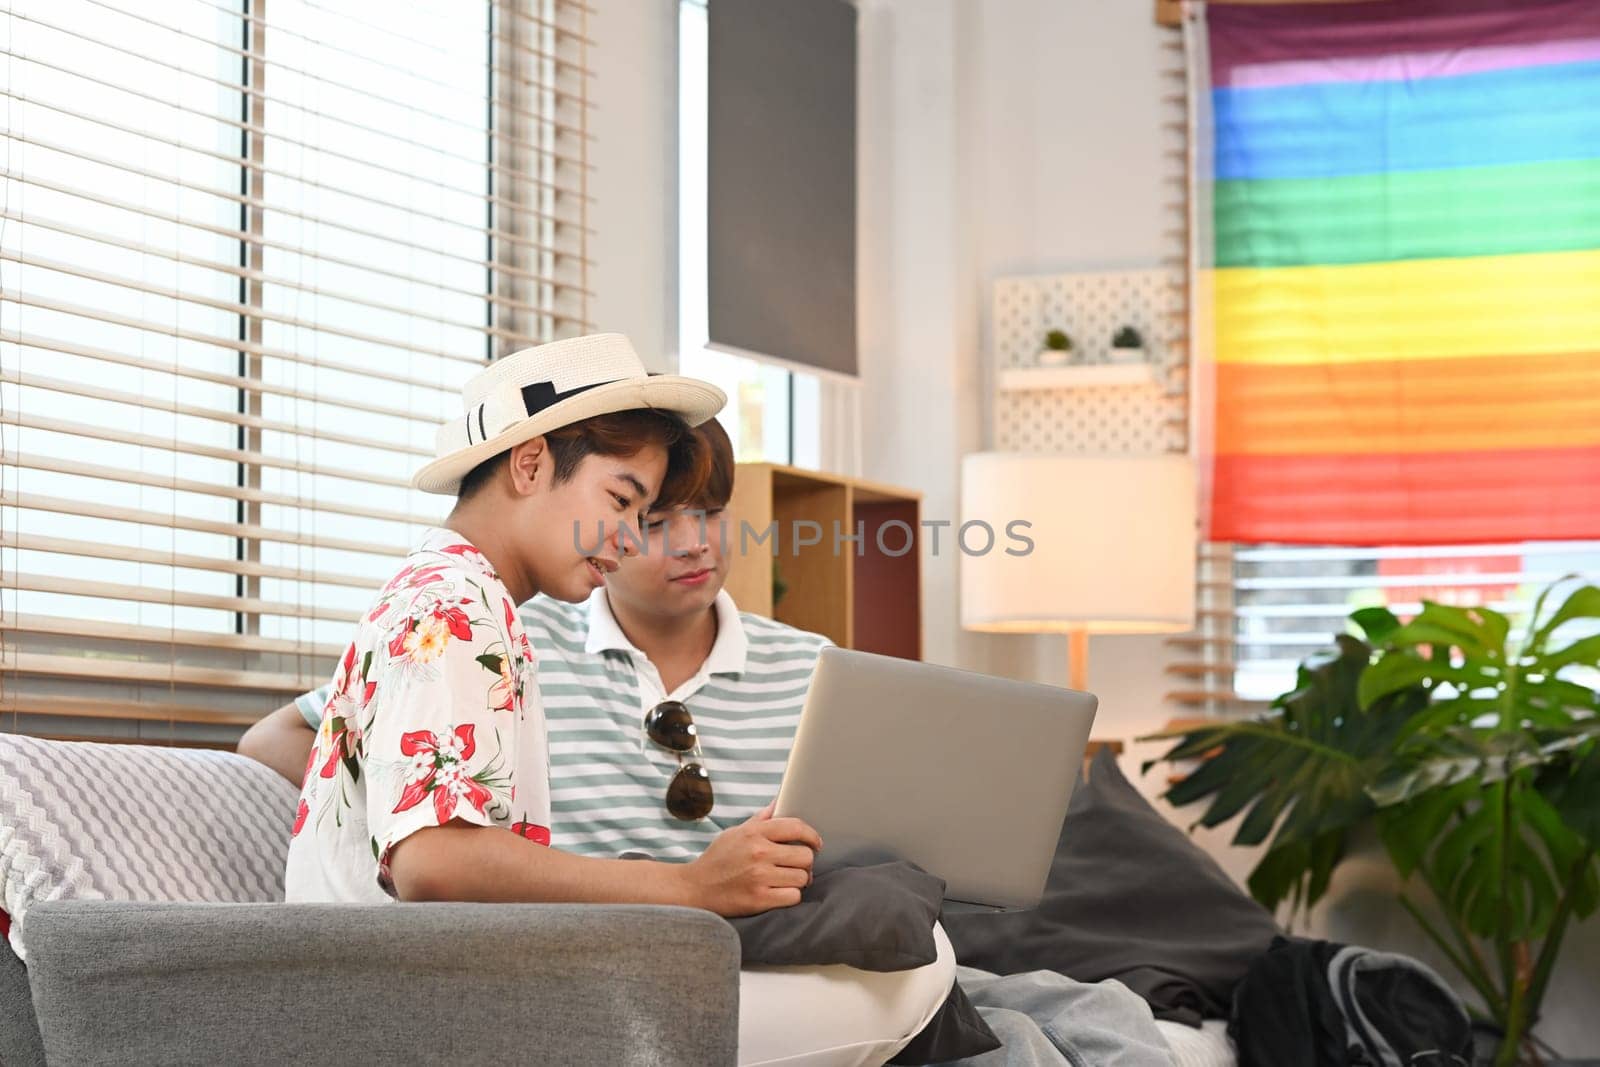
[{"x": 782, "y": 176}]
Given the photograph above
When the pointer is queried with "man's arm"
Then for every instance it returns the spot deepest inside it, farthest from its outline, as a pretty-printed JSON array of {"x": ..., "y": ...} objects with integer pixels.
[
  {"x": 758, "y": 865},
  {"x": 282, "y": 741}
]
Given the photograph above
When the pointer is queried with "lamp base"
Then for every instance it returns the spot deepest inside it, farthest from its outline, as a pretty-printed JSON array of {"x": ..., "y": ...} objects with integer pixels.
[{"x": 1078, "y": 660}]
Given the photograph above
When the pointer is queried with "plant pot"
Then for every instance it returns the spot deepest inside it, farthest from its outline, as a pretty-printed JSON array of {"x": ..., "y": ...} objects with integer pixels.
[
  {"x": 1054, "y": 357},
  {"x": 1127, "y": 355}
]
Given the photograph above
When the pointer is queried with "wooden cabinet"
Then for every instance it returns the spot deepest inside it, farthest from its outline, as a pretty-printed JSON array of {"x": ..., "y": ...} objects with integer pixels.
[{"x": 847, "y": 551}]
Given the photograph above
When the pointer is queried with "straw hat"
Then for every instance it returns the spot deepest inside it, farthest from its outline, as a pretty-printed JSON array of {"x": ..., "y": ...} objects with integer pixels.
[{"x": 536, "y": 390}]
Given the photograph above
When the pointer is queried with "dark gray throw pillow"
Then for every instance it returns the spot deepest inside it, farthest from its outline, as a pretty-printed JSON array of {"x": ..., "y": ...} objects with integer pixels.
[
  {"x": 1130, "y": 897},
  {"x": 877, "y": 918}
]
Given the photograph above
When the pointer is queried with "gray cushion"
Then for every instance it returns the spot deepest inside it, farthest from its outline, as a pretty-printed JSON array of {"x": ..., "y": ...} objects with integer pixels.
[
  {"x": 19, "y": 1031},
  {"x": 1130, "y": 897},
  {"x": 383, "y": 984}
]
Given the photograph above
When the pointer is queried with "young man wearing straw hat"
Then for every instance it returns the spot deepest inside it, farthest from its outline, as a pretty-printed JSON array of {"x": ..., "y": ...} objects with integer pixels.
[
  {"x": 663, "y": 642},
  {"x": 435, "y": 731}
]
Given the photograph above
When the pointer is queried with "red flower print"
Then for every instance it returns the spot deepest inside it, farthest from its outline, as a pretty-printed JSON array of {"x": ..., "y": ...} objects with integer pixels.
[
  {"x": 522, "y": 634},
  {"x": 410, "y": 577},
  {"x": 299, "y": 819},
  {"x": 539, "y": 835},
  {"x": 422, "y": 638},
  {"x": 438, "y": 770},
  {"x": 339, "y": 736},
  {"x": 394, "y": 583},
  {"x": 424, "y": 576},
  {"x": 345, "y": 666},
  {"x": 340, "y": 745},
  {"x": 460, "y": 549},
  {"x": 456, "y": 621},
  {"x": 420, "y": 741}
]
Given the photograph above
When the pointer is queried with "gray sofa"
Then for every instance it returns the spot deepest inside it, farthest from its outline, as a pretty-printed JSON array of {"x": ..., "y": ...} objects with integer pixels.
[{"x": 158, "y": 981}]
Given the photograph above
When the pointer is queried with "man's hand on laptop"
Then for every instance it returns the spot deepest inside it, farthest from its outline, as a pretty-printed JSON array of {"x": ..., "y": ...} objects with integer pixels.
[{"x": 761, "y": 864}]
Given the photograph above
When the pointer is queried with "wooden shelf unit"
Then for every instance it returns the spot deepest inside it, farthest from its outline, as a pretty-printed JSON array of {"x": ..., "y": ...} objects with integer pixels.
[{"x": 859, "y": 596}]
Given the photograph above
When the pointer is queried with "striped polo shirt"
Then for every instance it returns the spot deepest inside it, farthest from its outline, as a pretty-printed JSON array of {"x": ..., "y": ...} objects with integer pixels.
[{"x": 608, "y": 781}]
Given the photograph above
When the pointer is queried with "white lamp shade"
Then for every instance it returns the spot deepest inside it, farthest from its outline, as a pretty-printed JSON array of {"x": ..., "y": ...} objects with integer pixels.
[{"x": 1113, "y": 543}]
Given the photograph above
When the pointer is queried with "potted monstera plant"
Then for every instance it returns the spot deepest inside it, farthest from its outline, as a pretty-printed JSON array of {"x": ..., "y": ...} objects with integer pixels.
[{"x": 1473, "y": 750}]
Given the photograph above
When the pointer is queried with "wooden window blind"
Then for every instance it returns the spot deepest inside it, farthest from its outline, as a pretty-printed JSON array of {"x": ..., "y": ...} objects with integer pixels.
[{"x": 249, "y": 252}]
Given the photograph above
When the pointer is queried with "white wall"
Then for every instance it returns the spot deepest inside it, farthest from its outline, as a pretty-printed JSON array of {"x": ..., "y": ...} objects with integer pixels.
[
  {"x": 635, "y": 124},
  {"x": 996, "y": 138}
]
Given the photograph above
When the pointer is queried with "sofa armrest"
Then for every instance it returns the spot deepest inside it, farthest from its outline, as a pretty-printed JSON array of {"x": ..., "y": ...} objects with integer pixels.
[{"x": 133, "y": 983}]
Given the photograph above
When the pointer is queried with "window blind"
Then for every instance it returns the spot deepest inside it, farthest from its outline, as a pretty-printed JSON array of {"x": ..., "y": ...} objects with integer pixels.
[
  {"x": 249, "y": 252},
  {"x": 1268, "y": 607}
]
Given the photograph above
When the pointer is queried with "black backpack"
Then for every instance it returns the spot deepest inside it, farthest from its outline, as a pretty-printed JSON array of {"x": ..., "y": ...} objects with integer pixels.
[{"x": 1319, "y": 1004}]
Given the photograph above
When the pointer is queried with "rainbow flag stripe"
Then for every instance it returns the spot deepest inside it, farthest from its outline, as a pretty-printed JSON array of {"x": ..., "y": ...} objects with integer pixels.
[{"x": 1406, "y": 278}]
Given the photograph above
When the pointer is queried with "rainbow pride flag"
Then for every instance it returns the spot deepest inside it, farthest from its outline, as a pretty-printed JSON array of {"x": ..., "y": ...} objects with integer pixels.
[{"x": 1406, "y": 276}]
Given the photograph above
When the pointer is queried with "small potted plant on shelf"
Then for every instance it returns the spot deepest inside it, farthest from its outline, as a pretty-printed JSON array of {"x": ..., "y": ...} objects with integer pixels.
[
  {"x": 1127, "y": 346},
  {"x": 1057, "y": 350}
]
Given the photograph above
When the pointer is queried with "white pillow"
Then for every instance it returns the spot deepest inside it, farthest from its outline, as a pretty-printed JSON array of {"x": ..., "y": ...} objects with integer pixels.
[{"x": 82, "y": 821}]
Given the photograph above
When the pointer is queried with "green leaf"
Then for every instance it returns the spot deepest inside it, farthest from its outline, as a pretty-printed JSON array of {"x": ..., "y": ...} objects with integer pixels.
[
  {"x": 1585, "y": 651},
  {"x": 1392, "y": 673},
  {"x": 491, "y": 662},
  {"x": 1495, "y": 628},
  {"x": 1376, "y": 623},
  {"x": 1410, "y": 831},
  {"x": 1584, "y": 603},
  {"x": 1574, "y": 791},
  {"x": 366, "y": 664},
  {"x": 1554, "y": 701},
  {"x": 1278, "y": 872},
  {"x": 1469, "y": 629}
]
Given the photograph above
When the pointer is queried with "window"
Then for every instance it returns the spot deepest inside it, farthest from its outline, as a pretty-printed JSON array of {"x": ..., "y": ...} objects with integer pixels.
[
  {"x": 773, "y": 414},
  {"x": 247, "y": 261},
  {"x": 1290, "y": 599},
  {"x": 1265, "y": 608}
]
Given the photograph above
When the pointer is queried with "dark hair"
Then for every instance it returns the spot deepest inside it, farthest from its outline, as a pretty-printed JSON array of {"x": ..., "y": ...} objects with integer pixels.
[
  {"x": 620, "y": 433},
  {"x": 718, "y": 487}
]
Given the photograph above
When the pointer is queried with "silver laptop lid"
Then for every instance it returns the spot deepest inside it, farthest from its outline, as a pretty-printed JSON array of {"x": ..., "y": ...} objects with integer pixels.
[{"x": 966, "y": 775}]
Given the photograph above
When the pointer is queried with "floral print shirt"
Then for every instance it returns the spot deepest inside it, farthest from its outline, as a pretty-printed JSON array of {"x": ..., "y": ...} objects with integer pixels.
[{"x": 434, "y": 716}]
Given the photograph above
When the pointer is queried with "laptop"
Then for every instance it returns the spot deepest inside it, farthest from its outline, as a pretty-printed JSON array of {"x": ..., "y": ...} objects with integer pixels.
[{"x": 965, "y": 775}]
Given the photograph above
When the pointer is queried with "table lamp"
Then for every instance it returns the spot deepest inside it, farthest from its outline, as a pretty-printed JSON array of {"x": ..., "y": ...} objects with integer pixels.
[{"x": 1108, "y": 547}]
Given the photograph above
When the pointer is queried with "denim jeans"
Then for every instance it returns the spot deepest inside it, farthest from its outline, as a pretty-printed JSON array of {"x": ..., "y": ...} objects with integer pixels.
[{"x": 1048, "y": 1020}]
